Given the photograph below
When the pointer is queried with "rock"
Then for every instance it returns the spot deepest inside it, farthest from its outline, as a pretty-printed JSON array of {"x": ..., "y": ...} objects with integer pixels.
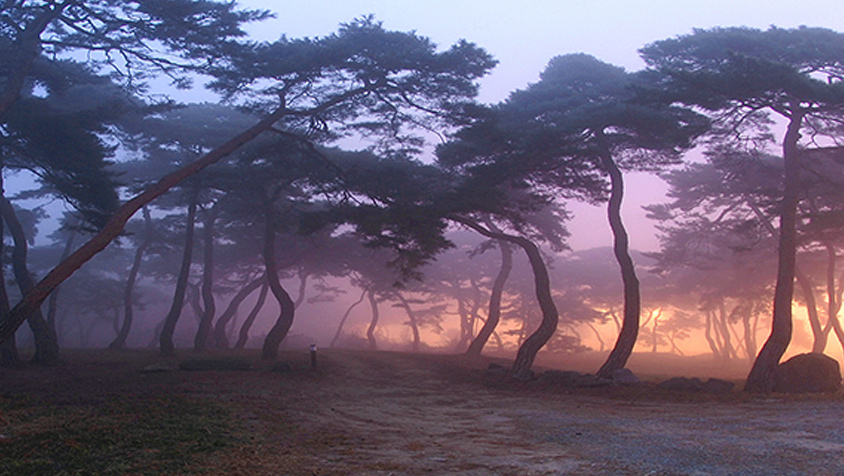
[
  {"x": 559, "y": 377},
  {"x": 625, "y": 377},
  {"x": 525, "y": 376},
  {"x": 682, "y": 384},
  {"x": 718, "y": 386},
  {"x": 497, "y": 371},
  {"x": 592, "y": 381},
  {"x": 808, "y": 373},
  {"x": 214, "y": 364}
]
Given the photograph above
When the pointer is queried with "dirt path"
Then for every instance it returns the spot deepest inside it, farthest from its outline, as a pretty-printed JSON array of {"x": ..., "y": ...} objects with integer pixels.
[
  {"x": 395, "y": 414},
  {"x": 368, "y": 414}
]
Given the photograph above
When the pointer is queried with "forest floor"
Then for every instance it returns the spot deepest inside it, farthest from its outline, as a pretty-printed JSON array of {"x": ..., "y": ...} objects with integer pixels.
[{"x": 385, "y": 413}]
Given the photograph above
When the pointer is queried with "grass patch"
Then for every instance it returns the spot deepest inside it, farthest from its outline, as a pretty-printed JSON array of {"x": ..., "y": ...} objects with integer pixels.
[{"x": 128, "y": 435}]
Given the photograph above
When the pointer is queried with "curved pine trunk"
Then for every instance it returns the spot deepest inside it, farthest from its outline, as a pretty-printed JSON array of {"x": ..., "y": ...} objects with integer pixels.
[
  {"x": 526, "y": 354},
  {"x": 632, "y": 301},
  {"x": 414, "y": 324},
  {"x": 286, "y": 305},
  {"x": 345, "y": 317},
  {"x": 53, "y": 301},
  {"x": 128, "y": 312},
  {"x": 46, "y": 342},
  {"x": 494, "y": 315},
  {"x": 761, "y": 376},
  {"x": 221, "y": 338},
  {"x": 165, "y": 340},
  {"x": 370, "y": 331},
  {"x": 243, "y": 335},
  {"x": 200, "y": 342}
]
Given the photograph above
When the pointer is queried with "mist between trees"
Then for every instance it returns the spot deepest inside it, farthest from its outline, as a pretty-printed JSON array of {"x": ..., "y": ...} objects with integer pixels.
[{"x": 255, "y": 222}]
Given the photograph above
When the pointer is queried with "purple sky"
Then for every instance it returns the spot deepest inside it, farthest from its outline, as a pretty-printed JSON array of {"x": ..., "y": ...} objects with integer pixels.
[{"x": 524, "y": 35}]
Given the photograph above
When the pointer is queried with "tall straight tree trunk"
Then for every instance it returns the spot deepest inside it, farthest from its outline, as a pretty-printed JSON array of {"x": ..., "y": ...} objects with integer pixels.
[
  {"x": 9, "y": 356},
  {"x": 165, "y": 340},
  {"x": 128, "y": 312},
  {"x": 632, "y": 299},
  {"x": 414, "y": 324},
  {"x": 53, "y": 301},
  {"x": 243, "y": 335},
  {"x": 286, "y": 305},
  {"x": 200, "y": 342},
  {"x": 761, "y": 376},
  {"x": 494, "y": 315},
  {"x": 345, "y": 317},
  {"x": 526, "y": 354},
  {"x": 221, "y": 339},
  {"x": 370, "y": 331},
  {"x": 46, "y": 342}
]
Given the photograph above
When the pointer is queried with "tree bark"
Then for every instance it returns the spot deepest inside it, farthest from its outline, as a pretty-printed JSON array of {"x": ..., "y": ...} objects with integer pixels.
[
  {"x": 370, "y": 331},
  {"x": 53, "y": 301},
  {"x": 165, "y": 340},
  {"x": 346, "y": 316},
  {"x": 128, "y": 312},
  {"x": 632, "y": 300},
  {"x": 200, "y": 342},
  {"x": 221, "y": 339},
  {"x": 761, "y": 376},
  {"x": 9, "y": 355},
  {"x": 494, "y": 315},
  {"x": 526, "y": 354},
  {"x": 243, "y": 335},
  {"x": 286, "y": 305},
  {"x": 46, "y": 342}
]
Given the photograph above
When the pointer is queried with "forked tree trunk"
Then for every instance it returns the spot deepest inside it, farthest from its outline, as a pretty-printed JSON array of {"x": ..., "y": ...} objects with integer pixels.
[
  {"x": 632, "y": 300},
  {"x": 494, "y": 315},
  {"x": 370, "y": 331},
  {"x": 761, "y": 376},
  {"x": 128, "y": 312},
  {"x": 542, "y": 284},
  {"x": 221, "y": 338},
  {"x": 286, "y": 305},
  {"x": 243, "y": 335},
  {"x": 414, "y": 324},
  {"x": 345, "y": 317},
  {"x": 200, "y": 342},
  {"x": 165, "y": 340},
  {"x": 46, "y": 342}
]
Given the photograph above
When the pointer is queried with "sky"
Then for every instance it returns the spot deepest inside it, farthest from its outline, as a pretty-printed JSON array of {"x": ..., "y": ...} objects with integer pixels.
[{"x": 523, "y": 35}]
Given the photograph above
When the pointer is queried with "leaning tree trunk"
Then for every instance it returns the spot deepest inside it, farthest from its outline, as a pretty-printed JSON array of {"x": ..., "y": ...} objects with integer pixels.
[
  {"x": 128, "y": 312},
  {"x": 9, "y": 356},
  {"x": 243, "y": 335},
  {"x": 370, "y": 331},
  {"x": 287, "y": 308},
  {"x": 632, "y": 300},
  {"x": 345, "y": 317},
  {"x": 761, "y": 376},
  {"x": 200, "y": 342},
  {"x": 46, "y": 342},
  {"x": 221, "y": 338},
  {"x": 165, "y": 340},
  {"x": 32, "y": 300},
  {"x": 494, "y": 315},
  {"x": 542, "y": 284}
]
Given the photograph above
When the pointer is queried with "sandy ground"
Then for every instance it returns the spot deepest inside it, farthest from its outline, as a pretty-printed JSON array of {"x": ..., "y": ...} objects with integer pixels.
[{"x": 384, "y": 414}]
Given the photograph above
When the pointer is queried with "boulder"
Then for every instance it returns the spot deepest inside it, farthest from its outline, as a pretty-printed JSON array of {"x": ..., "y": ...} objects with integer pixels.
[
  {"x": 808, "y": 373},
  {"x": 214, "y": 364}
]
